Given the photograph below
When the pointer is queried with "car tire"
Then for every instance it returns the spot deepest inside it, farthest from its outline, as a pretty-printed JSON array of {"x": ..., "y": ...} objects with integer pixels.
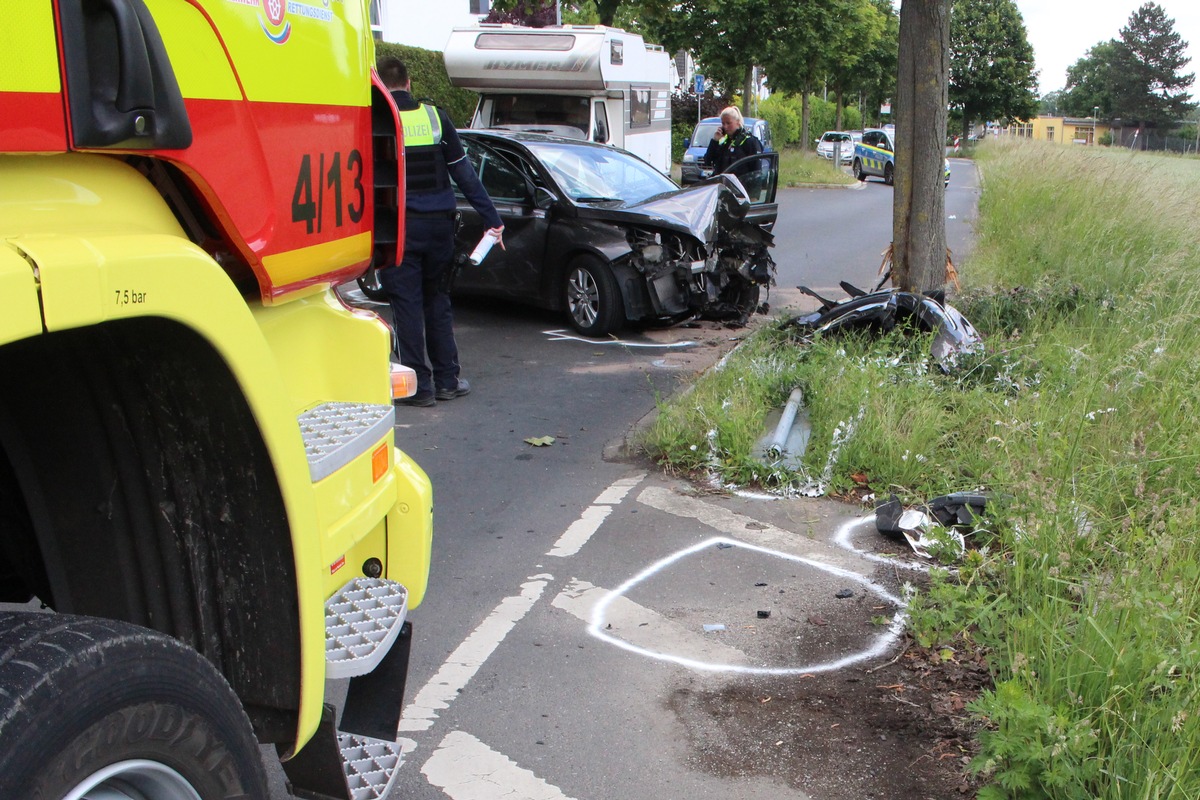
[
  {"x": 94, "y": 706},
  {"x": 592, "y": 298},
  {"x": 371, "y": 287},
  {"x": 888, "y": 174},
  {"x": 858, "y": 171}
]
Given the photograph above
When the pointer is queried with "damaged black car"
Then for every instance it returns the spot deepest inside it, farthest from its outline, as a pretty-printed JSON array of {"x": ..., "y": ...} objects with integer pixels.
[{"x": 601, "y": 235}]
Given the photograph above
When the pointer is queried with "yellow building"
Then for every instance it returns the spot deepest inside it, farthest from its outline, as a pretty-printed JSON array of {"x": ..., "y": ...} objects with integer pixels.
[{"x": 1064, "y": 130}]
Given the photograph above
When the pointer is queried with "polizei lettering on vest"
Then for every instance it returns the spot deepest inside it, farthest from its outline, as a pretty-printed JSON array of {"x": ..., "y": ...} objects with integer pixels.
[{"x": 417, "y": 130}]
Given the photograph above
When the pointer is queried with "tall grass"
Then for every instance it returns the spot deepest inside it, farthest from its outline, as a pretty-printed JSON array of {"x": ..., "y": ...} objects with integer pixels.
[
  {"x": 803, "y": 167},
  {"x": 1081, "y": 418}
]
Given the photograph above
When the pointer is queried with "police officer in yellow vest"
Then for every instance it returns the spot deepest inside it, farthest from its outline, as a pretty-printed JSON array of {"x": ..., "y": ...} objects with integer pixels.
[
  {"x": 731, "y": 141},
  {"x": 421, "y": 312}
]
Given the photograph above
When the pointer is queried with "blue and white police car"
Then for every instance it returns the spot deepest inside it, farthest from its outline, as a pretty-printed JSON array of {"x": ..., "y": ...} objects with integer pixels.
[{"x": 876, "y": 155}]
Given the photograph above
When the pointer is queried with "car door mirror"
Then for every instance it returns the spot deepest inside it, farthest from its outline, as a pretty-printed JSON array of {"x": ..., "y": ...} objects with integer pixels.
[{"x": 543, "y": 198}]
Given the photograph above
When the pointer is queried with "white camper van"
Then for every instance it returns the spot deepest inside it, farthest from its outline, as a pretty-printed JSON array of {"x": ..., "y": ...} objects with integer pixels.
[{"x": 583, "y": 81}]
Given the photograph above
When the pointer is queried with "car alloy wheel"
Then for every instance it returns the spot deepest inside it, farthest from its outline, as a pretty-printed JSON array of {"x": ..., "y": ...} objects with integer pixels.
[{"x": 592, "y": 298}]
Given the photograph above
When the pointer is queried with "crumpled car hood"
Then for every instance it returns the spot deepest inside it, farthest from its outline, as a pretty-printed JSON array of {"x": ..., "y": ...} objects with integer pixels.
[{"x": 699, "y": 211}]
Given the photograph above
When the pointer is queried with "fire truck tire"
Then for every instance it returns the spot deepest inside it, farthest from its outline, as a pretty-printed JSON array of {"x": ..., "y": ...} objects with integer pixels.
[
  {"x": 371, "y": 287},
  {"x": 98, "y": 708},
  {"x": 593, "y": 299}
]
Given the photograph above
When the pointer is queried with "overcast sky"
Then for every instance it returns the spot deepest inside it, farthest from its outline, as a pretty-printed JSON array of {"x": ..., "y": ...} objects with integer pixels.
[{"x": 1062, "y": 32}]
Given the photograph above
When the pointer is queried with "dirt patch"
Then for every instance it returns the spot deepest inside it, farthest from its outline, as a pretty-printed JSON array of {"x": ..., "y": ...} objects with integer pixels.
[{"x": 897, "y": 729}]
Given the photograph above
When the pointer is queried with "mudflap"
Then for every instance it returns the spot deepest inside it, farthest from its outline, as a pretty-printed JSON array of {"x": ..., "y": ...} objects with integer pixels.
[
  {"x": 316, "y": 772},
  {"x": 375, "y": 700}
]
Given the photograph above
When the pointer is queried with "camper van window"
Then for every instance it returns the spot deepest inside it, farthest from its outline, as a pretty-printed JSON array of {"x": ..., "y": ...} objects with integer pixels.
[
  {"x": 543, "y": 113},
  {"x": 639, "y": 108},
  {"x": 616, "y": 52},
  {"x": 525, "y": 41},
  {"x": 600, "y": 129}
]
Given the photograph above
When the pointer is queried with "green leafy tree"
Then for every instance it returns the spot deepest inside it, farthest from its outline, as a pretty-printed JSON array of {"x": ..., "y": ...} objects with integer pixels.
[
  {"x": 1091, "y": 83},
  {"x": 874, "y": 80},
  {"x": 991, "y": 63},
  {"x": 1052, "y": 103},
  {"x": 619, "y": 13},
  {"x": 1138, "y": 77},
  {"x": 808, "y": 39},
  {"x": 1149, "y": 85},
  {"x": 867, "y": 24},
  {"x": 724, "y": 36}
]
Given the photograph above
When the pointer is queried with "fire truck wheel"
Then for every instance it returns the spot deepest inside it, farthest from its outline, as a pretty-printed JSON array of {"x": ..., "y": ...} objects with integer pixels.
[
  {"x": 371, "y": 287},
  {"x": 593, "y": 300},
  {"x": 97, "y": 708}
]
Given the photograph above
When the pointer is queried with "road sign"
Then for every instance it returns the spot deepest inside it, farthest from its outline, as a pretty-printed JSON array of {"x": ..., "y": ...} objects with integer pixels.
[{"x": 699, "y": 83}]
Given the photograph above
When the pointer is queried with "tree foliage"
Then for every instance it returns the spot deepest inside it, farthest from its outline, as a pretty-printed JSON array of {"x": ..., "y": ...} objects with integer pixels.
[
  {"x": 724, "y": 36},
  {"x": 1148, "y": 83},
  {"x": 1091, "y": 83},
  {"x": 1138, "y": 77},
  {"x": 819, "y": 40},
  {"x": 873, "y": 79},
  {"x": 991, "y": 62},
  {"x": 537, "y": 13}
]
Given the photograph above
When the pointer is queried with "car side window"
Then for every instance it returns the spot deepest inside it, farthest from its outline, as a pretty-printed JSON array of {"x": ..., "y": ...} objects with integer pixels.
[
  {"x": 500, "y": 179},
  {"x": 759, "y": 176}
]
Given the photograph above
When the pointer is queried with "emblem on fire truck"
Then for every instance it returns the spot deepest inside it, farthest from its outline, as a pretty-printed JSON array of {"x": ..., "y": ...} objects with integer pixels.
[{"x": 276, "y": 25}]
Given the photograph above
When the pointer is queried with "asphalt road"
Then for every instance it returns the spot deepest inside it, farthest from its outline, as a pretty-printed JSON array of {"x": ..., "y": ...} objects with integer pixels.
[
  {"x": 824, "y": 236},
  {"x": 571, "y": 587}
]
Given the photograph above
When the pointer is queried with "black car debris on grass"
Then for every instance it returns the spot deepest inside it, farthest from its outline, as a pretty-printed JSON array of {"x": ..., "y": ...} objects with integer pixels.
[{"x": 601, "y": 235}]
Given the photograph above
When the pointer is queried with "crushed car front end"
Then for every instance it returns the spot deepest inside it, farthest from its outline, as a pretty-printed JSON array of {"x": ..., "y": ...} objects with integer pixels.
[{"x": 694, "y": 253}]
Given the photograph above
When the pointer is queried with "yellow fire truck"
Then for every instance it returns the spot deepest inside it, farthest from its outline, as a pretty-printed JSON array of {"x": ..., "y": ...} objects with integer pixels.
[{"x": 203, "y": 513}]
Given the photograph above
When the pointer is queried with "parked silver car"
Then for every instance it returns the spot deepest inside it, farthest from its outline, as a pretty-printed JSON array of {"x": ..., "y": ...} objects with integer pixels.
[{"x": 830, "y": 140}]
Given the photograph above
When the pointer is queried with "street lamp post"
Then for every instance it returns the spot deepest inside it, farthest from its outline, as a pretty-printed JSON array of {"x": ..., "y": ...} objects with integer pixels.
[{"x": 1095, "y": 114}]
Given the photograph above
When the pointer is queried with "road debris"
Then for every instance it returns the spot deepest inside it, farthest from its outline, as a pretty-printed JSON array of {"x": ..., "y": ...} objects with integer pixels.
[{"x": 884, "y": 309}]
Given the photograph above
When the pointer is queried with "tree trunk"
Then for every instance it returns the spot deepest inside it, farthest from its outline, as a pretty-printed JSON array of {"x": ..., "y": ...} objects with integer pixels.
[
  {"x": 805, "y": 114},
  {"x": 747, "y": 90},
  {"x": 607, "y": 10},
  {"x": 919, "y": 200},
  {"x": 838, "y": 123}
]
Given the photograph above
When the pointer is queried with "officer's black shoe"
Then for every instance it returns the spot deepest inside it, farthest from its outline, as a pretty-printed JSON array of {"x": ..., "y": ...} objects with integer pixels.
[
  {"x": 462, "y": 389},
  {"x": 422, "y": 399}
]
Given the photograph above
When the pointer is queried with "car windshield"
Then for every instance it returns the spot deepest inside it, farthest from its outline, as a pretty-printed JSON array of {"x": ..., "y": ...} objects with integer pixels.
[
  {"x": 528, "y": 110},
  {"x": 704, "y": 133},
  {"x": 596, "y": 174}
]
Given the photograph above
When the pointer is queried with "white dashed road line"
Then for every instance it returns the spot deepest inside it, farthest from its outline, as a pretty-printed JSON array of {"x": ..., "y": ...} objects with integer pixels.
[
  {"x": 466, "y": 660},
  {"x": 467, "y": 769},
  {"x": 582, "y": 529}
]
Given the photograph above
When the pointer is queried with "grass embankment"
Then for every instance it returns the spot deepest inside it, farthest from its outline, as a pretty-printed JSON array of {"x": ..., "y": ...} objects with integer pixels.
[
  {"x": 805, "y": 168},
  {"x": 1081, "y": 417}
]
